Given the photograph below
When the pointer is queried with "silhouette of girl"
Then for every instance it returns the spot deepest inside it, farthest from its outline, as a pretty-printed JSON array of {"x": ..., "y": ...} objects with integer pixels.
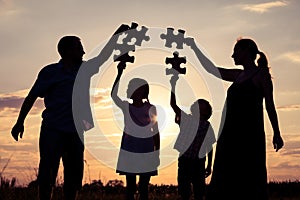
[
  {"x": 139, "y": 153},
  {"x": 239, "y": 170}
]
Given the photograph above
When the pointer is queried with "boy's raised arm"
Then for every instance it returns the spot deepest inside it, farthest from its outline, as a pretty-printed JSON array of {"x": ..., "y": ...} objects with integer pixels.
[{"x": 173, "y": 103}]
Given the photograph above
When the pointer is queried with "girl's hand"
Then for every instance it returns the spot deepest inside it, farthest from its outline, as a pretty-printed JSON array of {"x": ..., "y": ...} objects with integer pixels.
[{"x": 121, "y": 66}]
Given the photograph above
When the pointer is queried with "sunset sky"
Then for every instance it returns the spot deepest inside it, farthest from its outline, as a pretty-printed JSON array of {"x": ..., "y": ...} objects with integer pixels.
[{"x": 29, "y": 34}]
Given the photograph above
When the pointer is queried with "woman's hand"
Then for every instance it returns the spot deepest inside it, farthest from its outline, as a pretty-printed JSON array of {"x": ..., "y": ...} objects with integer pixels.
[
  {"x": 190, "y": 42},
  {"x": 207, "y": 172},
  {"x": 277, "y": 142}
]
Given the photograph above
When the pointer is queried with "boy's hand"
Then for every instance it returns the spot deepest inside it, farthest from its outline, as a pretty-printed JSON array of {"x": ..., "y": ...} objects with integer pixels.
[{"x": 174, "y": 79}]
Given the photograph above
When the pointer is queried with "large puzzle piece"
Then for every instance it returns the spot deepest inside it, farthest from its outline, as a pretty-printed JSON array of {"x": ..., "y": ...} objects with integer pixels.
[
  {"x": 170, "y": 37},
  {"x": 175, "y": 62},
  {"x": 124, "y": 59},
  {"x": 139, "y": 35},
  {"x": 124, "y": 48}
]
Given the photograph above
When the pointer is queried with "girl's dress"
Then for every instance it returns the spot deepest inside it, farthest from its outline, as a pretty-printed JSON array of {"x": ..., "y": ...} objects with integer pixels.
[{"x": 138, "y": 155}]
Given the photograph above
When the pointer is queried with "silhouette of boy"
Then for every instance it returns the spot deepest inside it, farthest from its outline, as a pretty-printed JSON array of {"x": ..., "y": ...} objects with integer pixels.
[{"x": 194, "y": 144}]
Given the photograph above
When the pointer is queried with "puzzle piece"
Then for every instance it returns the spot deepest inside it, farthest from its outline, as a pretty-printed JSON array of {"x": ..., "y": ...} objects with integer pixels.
[
  {"x": 123, "y": 59},
  {"x": 170, "y": 37},
  {"x": 138, "y": 35},
  {"x": 124, "y": 49},
  {"x": 175, "y": 62}
]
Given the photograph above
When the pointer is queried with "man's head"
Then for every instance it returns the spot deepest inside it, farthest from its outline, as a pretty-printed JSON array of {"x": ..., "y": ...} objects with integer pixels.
[{"x": 70, "y": 47}]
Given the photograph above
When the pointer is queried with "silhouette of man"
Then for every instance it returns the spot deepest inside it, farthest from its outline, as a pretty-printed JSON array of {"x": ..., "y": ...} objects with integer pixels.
[{"x": 60, "y": 134}]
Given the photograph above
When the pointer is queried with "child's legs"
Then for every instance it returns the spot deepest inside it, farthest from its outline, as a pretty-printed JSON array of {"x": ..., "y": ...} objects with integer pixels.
[
  {"x": 130, "y": 186},
  {"x": 143, "y": 186},
  {"x": 183, "y": 178}
]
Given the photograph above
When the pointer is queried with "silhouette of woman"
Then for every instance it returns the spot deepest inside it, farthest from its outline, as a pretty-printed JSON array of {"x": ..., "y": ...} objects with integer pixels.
[
  {"x": 139, "y": 153},
  {"x": 239, "y": 170}
]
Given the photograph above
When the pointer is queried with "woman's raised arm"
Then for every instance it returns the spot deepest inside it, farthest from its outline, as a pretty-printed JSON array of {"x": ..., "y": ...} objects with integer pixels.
[{"x": 210, "y": 67}]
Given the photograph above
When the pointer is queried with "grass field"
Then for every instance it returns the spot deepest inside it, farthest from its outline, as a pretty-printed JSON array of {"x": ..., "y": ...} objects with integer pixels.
[{"x": 115, "y": 190}]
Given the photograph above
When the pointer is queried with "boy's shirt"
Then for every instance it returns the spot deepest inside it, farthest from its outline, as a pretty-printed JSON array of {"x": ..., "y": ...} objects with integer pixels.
[{"x": 196, "y": 138}]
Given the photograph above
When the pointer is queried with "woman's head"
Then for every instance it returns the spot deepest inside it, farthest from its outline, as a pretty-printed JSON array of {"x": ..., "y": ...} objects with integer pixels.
[
  {"x": 138, "y": 89},
  {"x": 202, "y": 107},
  {"x": 245, "y": 49}
]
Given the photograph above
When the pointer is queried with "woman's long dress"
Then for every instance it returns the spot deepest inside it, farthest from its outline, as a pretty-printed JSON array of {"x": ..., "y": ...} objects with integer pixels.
[{"x": 239, "y": 170}]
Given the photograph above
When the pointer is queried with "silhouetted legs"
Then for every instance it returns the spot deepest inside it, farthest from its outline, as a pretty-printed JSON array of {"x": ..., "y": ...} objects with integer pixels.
[
  {"x": 130, "y": 186},
  {"x": 142, "y": 187},
  {"x": 191, "y": 172},
  {"x": 53, "y": 146},
  {"x": 73, "y": 167}
]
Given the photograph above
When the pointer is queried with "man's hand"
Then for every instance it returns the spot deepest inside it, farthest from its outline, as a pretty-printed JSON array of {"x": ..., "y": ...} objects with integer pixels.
[
  {"x": 17, "y": 130},
  {"x": 112, "y": 43}
]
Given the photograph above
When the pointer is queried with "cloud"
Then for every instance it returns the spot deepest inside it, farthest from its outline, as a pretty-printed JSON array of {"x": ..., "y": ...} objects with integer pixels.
[
  {"x": 292, "y": 56},
  {"x": 11, "y": 103},
  {"x": 292, "y": 107},
  {"x": 294, "y": 153},
  {"x": 287, "y": 166},
  {"x": 264, "y": 7},
  {"x": 23, "y": 147},
  {"x": 101, "y": 98},
  {"x": 7, "y": 8},
  {"x": 291, "y": 146}
]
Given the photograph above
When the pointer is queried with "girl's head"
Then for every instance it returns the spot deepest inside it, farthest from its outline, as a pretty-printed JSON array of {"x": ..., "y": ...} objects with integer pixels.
[
  {"x": 246, "y": 50},
  {"x": 203, "y": 108},
  {"x": 138, "y": 89}
]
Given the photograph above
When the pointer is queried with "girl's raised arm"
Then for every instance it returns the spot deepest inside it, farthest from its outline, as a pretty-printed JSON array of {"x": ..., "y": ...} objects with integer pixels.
[{"x": 115, "y": 87}]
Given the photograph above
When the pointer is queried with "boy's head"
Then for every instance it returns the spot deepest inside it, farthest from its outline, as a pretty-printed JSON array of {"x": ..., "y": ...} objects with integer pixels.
[{"x": 202, "y": 107}]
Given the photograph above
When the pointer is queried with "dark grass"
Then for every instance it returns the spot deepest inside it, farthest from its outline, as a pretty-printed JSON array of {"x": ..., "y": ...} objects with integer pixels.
[{"x": 115, "y": 190}]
